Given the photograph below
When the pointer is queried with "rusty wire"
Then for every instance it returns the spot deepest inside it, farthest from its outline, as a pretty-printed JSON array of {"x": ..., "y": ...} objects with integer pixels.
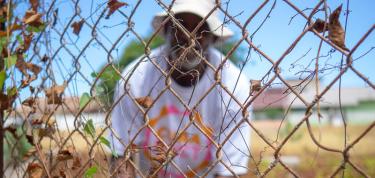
[{"x": 57, "y": 40}]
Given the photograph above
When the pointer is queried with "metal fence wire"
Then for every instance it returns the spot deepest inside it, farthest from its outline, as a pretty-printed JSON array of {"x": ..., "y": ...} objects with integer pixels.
[{"x": 57, "y": 104}]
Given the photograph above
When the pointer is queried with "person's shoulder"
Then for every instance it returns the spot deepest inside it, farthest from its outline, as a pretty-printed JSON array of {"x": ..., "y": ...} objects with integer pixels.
[
  {"x": 139, "y": 71},
  {"x": 232, "y": 76},
  {"x": 230, "y": 71},
  {"x": 143, "y": 64}
]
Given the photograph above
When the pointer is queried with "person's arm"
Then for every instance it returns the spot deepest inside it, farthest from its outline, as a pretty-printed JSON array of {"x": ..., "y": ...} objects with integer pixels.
[
  {"x": 121, "y": 168},
  {"x": 125, "y": 124}
]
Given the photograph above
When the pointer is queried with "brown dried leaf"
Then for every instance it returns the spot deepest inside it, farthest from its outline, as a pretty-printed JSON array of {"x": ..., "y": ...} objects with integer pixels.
[
  {"x": 144, "y": 101},
  {"x": 65, "y": 154},
  {"x": 319, "y": 25},
  {"x": 3, "y": 11},
  {"x": 76, "y": 163},
  {"x": 336, "y": 33},
  {"x": 35, "y": 170},
  {"x": 30, "y": 139},
  {"x": 11, "y": 129},
  {"x": 33, "y": 18},
  {"x": 33, "y": 68},
  {"x": 24, "y": 66},
  {"x": 45, "y": 58},
  {"x": 27, "y": 41},
  {"x": 62, "y": 173},
  {"x": 161, "y": 152},
  {"x": 46, "y": 132},
  {"x": 54, "y": 94},
  {"x": 28, "y": 79},
  {"x": 21, "y": 64},
  {"x": 7, "y": 101},
  {"x": 34, "y": 4},
  {"x": 30, "y": 101},
  {"x": 14, "y": 27},
  {"x": 3, "y": 34},
  {"x": 256, "y": 85},
  {"x": 36, "y": 121},
  {"x": 77, "y": 26},
  {"x": 4, "y": 52},
  {"x": 32, "y": 89},
  {"x": 44, "y": 119},
  {"x": 159, "y": 156},
  {"x": 113, "y": 5}
]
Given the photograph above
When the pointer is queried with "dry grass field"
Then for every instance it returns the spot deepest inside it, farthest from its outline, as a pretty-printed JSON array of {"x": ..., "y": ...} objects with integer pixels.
[{"x": 300, "y": 152}]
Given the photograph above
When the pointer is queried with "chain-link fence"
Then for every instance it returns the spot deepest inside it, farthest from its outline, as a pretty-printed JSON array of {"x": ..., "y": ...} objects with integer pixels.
[{"x": 58, "y": 98}]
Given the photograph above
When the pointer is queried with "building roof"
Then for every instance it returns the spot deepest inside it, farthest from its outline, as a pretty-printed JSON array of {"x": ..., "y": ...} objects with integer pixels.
[
  {"x": 283, "y": 97},
  {"x": 349, "y": 97},
  {"x": 271, "y": 98}
]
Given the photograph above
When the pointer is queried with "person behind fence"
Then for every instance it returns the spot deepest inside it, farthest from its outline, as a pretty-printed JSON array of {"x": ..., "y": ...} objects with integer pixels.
[{"x": 177, "y": 109}]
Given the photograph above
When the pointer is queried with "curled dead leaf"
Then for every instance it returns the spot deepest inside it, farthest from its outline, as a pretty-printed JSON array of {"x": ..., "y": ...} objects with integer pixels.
[
  {"x": 13, "y": 28},
  {"x": 320, "y": 25},
  {"x": 24, "y": 66},
  {"x": 33, "y": 68},
  {"x": 11, "y": 129},
  {"x": 46, "y": 132},
  {"x": 35, "y": 170},
  {"x": 159, "y": 155},
  {"x": 36, "y": 122},
  {"x": 33, "y": 18},
  {"x": 145, "y": 102},
  {"x": 54, "y": 94},
  {"x": 32, "y": 89},
  {"x": 34, "y": 4},
  {"x": 30, "y": 139},
  {"x": 256, "y": 85},
  {"x": 76, "y": 163},
  {"x": 30, "y": 101},
  {"x": 27, "y": 80},
  {"x": 21, "y": 65},
  {"x": 3, "y": 11},
  {"x": 4, "y": 52},
  {"x": 27, "y": 41},
  {"x": 113, "y": 5},
  {"x": 6, "y": 101},
  {"x": 336, "y": 33},
  {"x": 45, "y": 119},
  {"x": 77, "y": 26},
  {"x": 45, "y": 58},
  {"x": 65, "y": 154},
  {"x": 62, "y": 173}
]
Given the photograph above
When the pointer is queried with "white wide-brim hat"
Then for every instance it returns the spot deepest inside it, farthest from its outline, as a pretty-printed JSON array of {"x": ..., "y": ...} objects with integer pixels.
[{"x": 201, "y": 8}]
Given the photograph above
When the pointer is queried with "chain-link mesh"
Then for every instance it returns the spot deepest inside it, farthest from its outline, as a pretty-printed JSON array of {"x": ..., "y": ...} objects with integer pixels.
[{"x": 54, "y": 128}]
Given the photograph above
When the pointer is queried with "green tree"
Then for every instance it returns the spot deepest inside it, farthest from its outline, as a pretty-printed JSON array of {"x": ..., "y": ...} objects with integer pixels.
[{"x": 109, "y": 78}]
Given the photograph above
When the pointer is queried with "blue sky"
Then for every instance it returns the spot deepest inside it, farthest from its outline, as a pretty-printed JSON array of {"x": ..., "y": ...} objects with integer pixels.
[{"x": 273, "y": 38}]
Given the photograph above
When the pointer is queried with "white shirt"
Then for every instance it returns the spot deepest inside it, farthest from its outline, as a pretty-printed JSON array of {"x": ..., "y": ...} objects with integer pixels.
[{"x": 216, "y": 113}]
